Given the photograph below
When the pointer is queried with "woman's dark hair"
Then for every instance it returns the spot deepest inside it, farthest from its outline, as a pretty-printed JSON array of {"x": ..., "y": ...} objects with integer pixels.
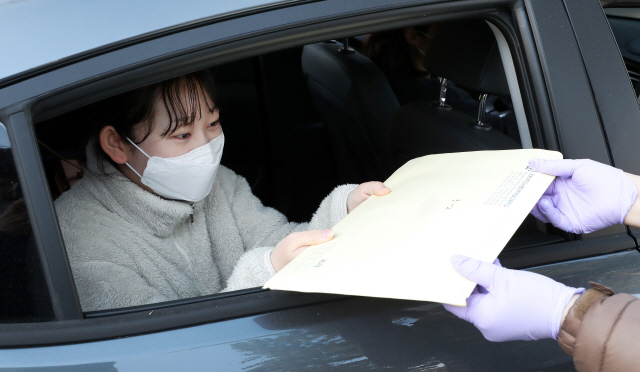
[
  {"x": 391, "y": 52},
  {"x": 180, "y": 96}
]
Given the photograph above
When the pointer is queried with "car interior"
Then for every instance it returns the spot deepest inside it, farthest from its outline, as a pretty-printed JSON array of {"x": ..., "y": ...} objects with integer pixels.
[{"x": 300, "y": 121}]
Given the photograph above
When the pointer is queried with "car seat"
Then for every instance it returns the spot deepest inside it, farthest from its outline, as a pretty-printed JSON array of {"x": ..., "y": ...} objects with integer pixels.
[
  {"x": 466, "y": 53},
  {"x": 298, "y": 140},
  {"x": 357, "y": 106}
]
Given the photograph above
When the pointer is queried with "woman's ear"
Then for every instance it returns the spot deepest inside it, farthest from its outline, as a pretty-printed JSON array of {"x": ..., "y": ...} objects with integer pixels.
[{"x": 113, "y": 145}]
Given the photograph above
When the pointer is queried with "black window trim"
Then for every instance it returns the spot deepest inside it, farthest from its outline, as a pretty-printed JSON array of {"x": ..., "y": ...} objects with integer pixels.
[
  {"x": 244, "y": 46},
  {"x": 44, "y": 222}
]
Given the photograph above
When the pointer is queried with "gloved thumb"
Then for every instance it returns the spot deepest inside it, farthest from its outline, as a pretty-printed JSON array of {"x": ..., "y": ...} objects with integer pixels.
[
  {"x": 561, "y": 168},
  {"x": 477, "y": 271}
]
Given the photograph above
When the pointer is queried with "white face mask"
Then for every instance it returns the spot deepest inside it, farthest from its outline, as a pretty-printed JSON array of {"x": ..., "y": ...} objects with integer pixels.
[{"x": 186, "y": 177}]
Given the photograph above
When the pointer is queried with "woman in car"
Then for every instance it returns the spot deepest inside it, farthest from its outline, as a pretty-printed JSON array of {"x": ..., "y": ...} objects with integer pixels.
[
  {"x": 157, "y": 218},
  {"x": 596, "y": 326}
]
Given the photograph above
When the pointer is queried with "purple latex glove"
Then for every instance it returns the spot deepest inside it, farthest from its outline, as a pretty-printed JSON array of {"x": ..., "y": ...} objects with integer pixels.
[
  {"x": 510, "y": 305},
  {"x": 585, "y": 197}
]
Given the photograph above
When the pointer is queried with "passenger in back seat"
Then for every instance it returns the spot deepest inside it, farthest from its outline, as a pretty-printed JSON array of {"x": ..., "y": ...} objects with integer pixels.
[
  {"x": 157, "y": 218},
  {"x": 398, "y": 53}
]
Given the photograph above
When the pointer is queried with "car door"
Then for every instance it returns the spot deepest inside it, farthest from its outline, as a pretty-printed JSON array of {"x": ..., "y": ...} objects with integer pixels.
[
  {"x": 271, "y": 331},
  {"x": 625, "y": 26}
]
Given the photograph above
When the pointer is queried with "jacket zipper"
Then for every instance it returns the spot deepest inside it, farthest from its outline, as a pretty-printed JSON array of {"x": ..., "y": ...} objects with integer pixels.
[
  {"x": 175, "y": 241},
  {"x": 193, "y": 208}
]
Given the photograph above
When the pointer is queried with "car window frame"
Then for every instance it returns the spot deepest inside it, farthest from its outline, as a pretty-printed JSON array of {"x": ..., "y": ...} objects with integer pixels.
[{"x": 44, "y": 222}]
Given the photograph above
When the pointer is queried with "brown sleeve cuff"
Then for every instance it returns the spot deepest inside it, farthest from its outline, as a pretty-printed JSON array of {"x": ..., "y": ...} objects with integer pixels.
[{"x": 573, "y": 320}]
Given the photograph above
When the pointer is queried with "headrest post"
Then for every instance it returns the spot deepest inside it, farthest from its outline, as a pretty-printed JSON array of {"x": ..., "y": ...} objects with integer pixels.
[
  {"x": 443, "y": 91},
  {"x": 443, "y": 96},
  {"x": 345, "y": 47},
  {"x": 480, "y": 124}
]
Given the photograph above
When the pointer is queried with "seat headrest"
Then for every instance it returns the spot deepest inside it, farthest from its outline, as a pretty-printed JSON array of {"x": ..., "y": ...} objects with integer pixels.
[
  {"x": 351, "y": 76},
  {"x": 466, "y": 52}
]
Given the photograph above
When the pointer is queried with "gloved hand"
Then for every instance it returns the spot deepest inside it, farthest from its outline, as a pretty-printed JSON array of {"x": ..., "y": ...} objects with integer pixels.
[
  {"x": 585, "y": 196},
  {"x": 511, "y": 305}
]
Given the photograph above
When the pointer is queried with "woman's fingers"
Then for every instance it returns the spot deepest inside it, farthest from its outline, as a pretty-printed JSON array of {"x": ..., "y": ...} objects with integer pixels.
[
  {"x": 374, "y": 188},
  {"x": 296, "y": 252},
  {"x": 306, "y": 238},
  {"x": 363, "y": 192},
  {"x": 295, "y": 243}
]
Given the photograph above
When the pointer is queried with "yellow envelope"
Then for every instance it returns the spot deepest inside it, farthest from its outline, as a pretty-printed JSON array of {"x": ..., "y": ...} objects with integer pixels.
[{"x": 399, "y": 245}]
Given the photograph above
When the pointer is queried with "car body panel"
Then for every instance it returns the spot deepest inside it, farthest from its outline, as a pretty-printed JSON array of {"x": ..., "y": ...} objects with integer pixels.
[
  {"x": 611, "y": 89},
  {"x": 621, "y": 131},
  {"x": 579, "y": 132},
  {"x": 610, "y": 84},
  {"x": 349, "y": 334},
  {"x": 589, "y": 73}
]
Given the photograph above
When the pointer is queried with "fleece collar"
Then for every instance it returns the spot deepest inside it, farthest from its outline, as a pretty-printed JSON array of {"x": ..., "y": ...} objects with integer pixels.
[{"x": 120, "y": 195}]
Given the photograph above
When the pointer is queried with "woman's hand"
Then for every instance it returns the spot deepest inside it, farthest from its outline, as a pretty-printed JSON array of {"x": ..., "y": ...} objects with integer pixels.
[
  {"x": 295, "y": 243},
  {"x": 585, "y": 196},
  {"x": 509, "y": 305},
  {"x": 363, "y": 192}
]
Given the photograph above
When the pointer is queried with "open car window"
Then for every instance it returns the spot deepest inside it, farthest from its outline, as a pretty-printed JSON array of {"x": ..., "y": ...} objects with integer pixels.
[{"x": 297, "y": 123}]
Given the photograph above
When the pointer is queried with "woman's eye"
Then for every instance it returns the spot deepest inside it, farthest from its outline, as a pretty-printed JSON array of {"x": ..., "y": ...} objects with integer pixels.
[
  {"x": 183, "y": 135},
  {"x": 213, "y": 124}
]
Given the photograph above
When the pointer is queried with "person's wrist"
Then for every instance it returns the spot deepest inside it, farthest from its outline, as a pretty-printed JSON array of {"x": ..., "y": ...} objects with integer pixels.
[
  {"x": 632, "y": 217},
  {"x": 348, "y": 198},
  {"x": 268, "y": 263},
  {"x": 274, "y": 261},
  {"x": 565, "y": 302},
  {"x": 568, "y": 306}
]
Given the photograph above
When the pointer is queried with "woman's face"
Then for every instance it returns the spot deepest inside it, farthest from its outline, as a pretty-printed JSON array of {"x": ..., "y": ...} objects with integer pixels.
[{"x": 205, "y": 128}]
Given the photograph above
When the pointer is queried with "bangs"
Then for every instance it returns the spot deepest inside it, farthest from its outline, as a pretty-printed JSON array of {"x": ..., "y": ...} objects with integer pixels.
[{"x": 182, "y": 99}]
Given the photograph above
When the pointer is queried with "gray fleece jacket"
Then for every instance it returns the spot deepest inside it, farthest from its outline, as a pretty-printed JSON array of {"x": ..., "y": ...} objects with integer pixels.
[{"x": 129, "y": 247}]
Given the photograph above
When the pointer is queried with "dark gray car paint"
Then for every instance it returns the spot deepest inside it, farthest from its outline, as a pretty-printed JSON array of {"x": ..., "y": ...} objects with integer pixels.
[
  {"x": 352, "y": 334},
  {"x": 355, "y": 333}
]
